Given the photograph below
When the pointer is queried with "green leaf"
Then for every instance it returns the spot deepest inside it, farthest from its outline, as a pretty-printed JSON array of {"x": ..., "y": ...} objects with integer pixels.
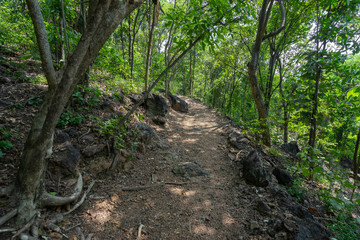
[
  {"x": 1, "y": 154},
  {"x": 5, "y": 144},
  {"x": 53, "y": 193},
  {"x": 305, "y": 172},
  {"x": 358, "y": 219},
  {"x": 349, "y": 185},
  {"x": 318, "y": 170},
  {"x": 354, "y": 92},
  {"x": 337, "y": 203}
]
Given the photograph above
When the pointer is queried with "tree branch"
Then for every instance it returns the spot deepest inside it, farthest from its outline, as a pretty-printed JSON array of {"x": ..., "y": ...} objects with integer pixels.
[
  {"x": 42, "y": 41},
  {"x": 282, "y": 25}
]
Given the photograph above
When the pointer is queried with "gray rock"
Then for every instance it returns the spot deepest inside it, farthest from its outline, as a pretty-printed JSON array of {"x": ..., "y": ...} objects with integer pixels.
[
  {"x": 88, "y": 138},
  {"x": 68, "y": 159},
  {"x": 281, "y": 236},
  {"x": 253, "y": 170},
  {"x": 169, "y": 156},
  {"x": 61, "y": 137},
  {"x": 291, "y": 148},
  {"x": 237, "y": 140},
  {"x": 254, "y": 225},
  {"x": 309, "y": 229},
  {"x": 346, "y": 162},
  {"x": 282, "y": 176},
  {"x": 162, "y": 145},
  {"x": 178, "y": 104},
  {"x": 189, "y": 169},
  {"x": 92, "y": 150},
  {"x": 157, "y": 108},
  {"x": 4, "y": 103},
  {"x": 262, "y": 207},
  {"x": 145, "y": 133}
]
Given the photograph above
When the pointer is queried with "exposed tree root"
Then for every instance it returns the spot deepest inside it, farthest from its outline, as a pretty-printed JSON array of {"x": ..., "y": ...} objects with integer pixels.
[
  {"x": 82, "y": 199},
  {"x": 139, "y": 231},
  {"x": 8, "y": 216},
  {"x": 6, "y": 190},
  {"x": 7, "y": 230},
  {"x": 89, "y": 237},
  {"x": 24, "y": 236},
  {"x": 27, "y": 226},
  {"x": 48, "y": 200}
]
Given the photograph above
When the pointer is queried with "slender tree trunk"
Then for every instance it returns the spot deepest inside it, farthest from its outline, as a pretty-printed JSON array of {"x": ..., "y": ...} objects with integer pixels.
[
  {"x": 149, "y": 50},
  {"x": 254, "y": 62},
  {"x": 64, "y": 28}
]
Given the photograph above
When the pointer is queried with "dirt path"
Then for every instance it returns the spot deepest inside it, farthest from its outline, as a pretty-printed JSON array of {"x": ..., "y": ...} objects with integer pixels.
[{"x": 204, "y": 207}]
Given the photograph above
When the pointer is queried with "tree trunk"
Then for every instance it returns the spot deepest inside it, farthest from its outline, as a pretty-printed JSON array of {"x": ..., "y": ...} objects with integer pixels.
[
  {"x": 313, "y": 122},
  {"x": 285, "y": 105},
  {"x": 105, "y": 17},
  {"x": 149, "y": 50},
  {"x": 254, "y": 62}
]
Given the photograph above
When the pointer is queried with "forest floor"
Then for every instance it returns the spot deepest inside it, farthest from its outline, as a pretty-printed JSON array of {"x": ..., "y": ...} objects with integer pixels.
[{"x": 142, "y": 198}]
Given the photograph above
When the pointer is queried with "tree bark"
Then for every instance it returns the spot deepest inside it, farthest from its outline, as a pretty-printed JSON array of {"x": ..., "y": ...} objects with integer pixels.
[
  {"x": 104, "y": 18},
  {"x": 254, "y": 62},
  {"x": 150, "y": 46}
]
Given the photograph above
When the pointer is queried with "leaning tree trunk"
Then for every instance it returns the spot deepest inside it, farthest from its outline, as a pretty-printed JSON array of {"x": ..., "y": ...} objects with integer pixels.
[{"x": 104, "y": 17}]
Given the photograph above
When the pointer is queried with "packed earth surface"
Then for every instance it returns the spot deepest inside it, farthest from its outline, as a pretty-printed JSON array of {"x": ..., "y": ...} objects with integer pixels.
[{"x": 186, "y": 181}]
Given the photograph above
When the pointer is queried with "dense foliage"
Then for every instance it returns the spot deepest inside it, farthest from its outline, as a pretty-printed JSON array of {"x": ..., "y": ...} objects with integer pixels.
[{"x": 308, "y": 74}]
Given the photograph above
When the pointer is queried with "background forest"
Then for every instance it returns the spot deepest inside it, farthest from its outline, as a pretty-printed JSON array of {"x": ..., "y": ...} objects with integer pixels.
[{"x": 307, "y": 73}]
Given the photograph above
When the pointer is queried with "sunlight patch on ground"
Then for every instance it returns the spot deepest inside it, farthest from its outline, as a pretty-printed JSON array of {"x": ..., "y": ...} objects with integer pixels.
[
  {"x": 190, "y": 193},
  {"x": 202, "y": 229},
  {"x": 228, "y": 219},
  {"x": 191, "y": 140},
  {"x": 176, "y": 190},
  {"x": 101, "y": 212}
]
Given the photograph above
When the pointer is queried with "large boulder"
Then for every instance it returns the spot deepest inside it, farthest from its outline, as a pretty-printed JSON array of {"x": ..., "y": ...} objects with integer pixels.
[
  {"x": 291, "y": 148},
  {"x": 178, "y": 104},
  {"x": 283, "y": 177},
  {"x": 67, "y": 158},
  {"x": 157, "y": 108},
  {"x": 145, "y": 133},
  {"x": 346, "y": 162},
  {"x": 253, "y": 170}
]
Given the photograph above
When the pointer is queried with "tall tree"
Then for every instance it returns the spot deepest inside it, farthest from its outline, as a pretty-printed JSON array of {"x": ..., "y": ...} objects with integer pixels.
[
  {"x": 254, "y": 62},
  {"x": 103, "y": 19}
]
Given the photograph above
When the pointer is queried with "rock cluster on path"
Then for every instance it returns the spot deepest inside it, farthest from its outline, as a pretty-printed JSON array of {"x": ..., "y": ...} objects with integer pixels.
[{"x": 287, "y": 219}]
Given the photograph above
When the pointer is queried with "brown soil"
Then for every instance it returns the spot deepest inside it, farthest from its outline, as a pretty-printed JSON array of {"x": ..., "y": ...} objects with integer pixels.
[{"x": 173, "y": 207}]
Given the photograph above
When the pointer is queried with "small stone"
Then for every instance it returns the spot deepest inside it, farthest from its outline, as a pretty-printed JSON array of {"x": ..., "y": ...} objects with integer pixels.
[
  {"x": 232, "y": 157},
  {"x": 88, "y": 138},
  {"x": 125, "y": 153},
  {"x": 92, "y": 150},
  {"x": 254, "y": 225},
  {"x": 281, "y": 236},
  {"x": 128, "y": 166},
  {"x": 189, "y": 169},
  {"x": 290, "y": 225},
  {"x": 162, "y": 145},
  {"x": 262, "y": 207},
  {"x": 169, "y": 156},
  {"x": 114, "y": 197}
]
